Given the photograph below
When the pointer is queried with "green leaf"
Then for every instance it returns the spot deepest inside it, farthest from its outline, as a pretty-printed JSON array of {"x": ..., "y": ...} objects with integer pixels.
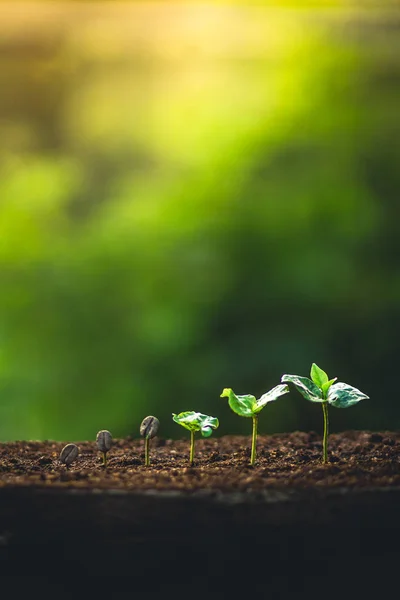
[
  {"x": 195, "y": 421},
  {"x": 318, "y": 376},
  {"x": 325, "y": 387},
  {"x": 208, "y": 424},
  {"x": 305, "y": 386},
  {"x": 206, "y": 431},
  {"x": 270, "y": 396},
  {"x": 244, "y": 406},
  {"x": 342, "y": 395}
]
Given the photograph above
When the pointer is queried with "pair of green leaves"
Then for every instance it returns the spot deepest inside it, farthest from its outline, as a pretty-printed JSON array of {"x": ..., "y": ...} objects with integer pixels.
[
  {"x": 248, "y": 405},
  {"x": 322, "y": 389},
  {"x": 317, "y": 389},
  {"x": 195, "y": 421}
]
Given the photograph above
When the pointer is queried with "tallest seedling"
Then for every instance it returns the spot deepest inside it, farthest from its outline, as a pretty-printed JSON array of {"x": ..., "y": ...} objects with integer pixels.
[{"x": 325, "y": 391}]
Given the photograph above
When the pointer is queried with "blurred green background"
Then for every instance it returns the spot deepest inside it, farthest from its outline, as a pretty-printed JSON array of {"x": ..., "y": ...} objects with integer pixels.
[{"x": 195, "y": 197}]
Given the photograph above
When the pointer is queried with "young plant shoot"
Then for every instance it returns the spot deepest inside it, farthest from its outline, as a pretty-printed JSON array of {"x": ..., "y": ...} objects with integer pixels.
[
  {"x": 325, "y": 391},
  {"x": 104, "y": 442},
  {"x": 249, "y": 406},
  {"x": 148, "y": 429},
  {"x": 195, "y": 421}
]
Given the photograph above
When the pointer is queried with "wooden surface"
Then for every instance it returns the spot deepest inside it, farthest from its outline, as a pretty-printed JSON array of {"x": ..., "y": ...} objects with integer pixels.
[{"x": 132, "y": 533}]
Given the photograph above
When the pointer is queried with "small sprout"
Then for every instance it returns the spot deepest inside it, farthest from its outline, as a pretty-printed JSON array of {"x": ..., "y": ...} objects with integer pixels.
[
  {"x": 195, "y": 421},
  {"x": 104, "y": 442},
  {"x": 325, "y": 391},
  {"x": 148, "y": 429},
  {"x": 249, "y": 406},
  {"x": 68, "y": 454}
]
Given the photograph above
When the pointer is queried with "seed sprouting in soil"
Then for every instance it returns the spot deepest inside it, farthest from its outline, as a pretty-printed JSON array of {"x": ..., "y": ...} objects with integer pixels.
[
  {"x": 68, "y": 454},
  {"x": 326, "y": 392},
  {"x": 195, "y": 421},
  {"x": 104, "y": 442},
  {"x": 148, "y": 429},
  {"x": 249, "y": 406}
]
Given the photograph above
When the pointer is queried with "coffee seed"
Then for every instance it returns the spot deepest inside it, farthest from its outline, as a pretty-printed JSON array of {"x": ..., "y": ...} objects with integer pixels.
[
  {"x": 149, "y": 427},
  {"x": 68, "y": 454},
  {"x": 104, "y": 440}
]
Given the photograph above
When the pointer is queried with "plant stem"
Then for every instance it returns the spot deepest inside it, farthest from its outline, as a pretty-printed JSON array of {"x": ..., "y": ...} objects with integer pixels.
[
  {"x": 326, "y": 433},
  {"x": 191, "y": 447},
  {"x": 104, "y": 459},
  {"x": 254, "y": 440},
  {"x": 146, "y": 452}
]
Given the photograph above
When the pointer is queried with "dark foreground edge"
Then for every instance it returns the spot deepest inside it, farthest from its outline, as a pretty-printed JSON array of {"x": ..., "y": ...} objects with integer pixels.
[{"x": 306, "y": 536}]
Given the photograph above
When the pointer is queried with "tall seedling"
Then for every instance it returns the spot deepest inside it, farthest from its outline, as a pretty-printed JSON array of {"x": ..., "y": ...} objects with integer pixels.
[{"x": 325, "y": 391}]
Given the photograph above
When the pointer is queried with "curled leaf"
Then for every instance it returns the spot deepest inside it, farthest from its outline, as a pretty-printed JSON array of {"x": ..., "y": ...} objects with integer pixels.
[
  {"x": 206, "y": 431},
  {"x": 305, "y": 386},
  {"x": 195, "y": 421},
  {"x": 244, "y": 406},
  {"x": 274, "y": 394}
]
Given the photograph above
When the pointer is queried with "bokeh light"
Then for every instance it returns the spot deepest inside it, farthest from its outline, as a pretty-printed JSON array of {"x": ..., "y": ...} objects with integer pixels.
[{"x": 192, "y": 197}]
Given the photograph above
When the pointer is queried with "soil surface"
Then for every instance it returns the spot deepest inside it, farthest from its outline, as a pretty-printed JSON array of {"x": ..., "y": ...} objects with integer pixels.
[
  {"x": 357, "y": 459},
  {"x": 284, "y": 527}
]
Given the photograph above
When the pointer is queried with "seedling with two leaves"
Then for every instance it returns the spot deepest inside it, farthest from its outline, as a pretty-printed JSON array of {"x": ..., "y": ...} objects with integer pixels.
[
  {"x": 249, "y": 406},
  {"x": 195, "y": 421},
  {"x": 325, "y": 391}
]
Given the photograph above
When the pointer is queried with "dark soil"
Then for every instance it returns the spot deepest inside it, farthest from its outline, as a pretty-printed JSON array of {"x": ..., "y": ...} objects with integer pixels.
[
  {"x": 285, "y": 527},
  {"x": 284, "y": 461}
]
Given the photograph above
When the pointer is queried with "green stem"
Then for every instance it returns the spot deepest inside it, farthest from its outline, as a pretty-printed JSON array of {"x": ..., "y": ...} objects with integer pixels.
[
  {"x": 146, "y": 452},
  {"x": 326, "y": 433},
  {"x": 104, "y": 459},
  {"x": 254, "y": 440},
  {"x": 191, "y": 447}
]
